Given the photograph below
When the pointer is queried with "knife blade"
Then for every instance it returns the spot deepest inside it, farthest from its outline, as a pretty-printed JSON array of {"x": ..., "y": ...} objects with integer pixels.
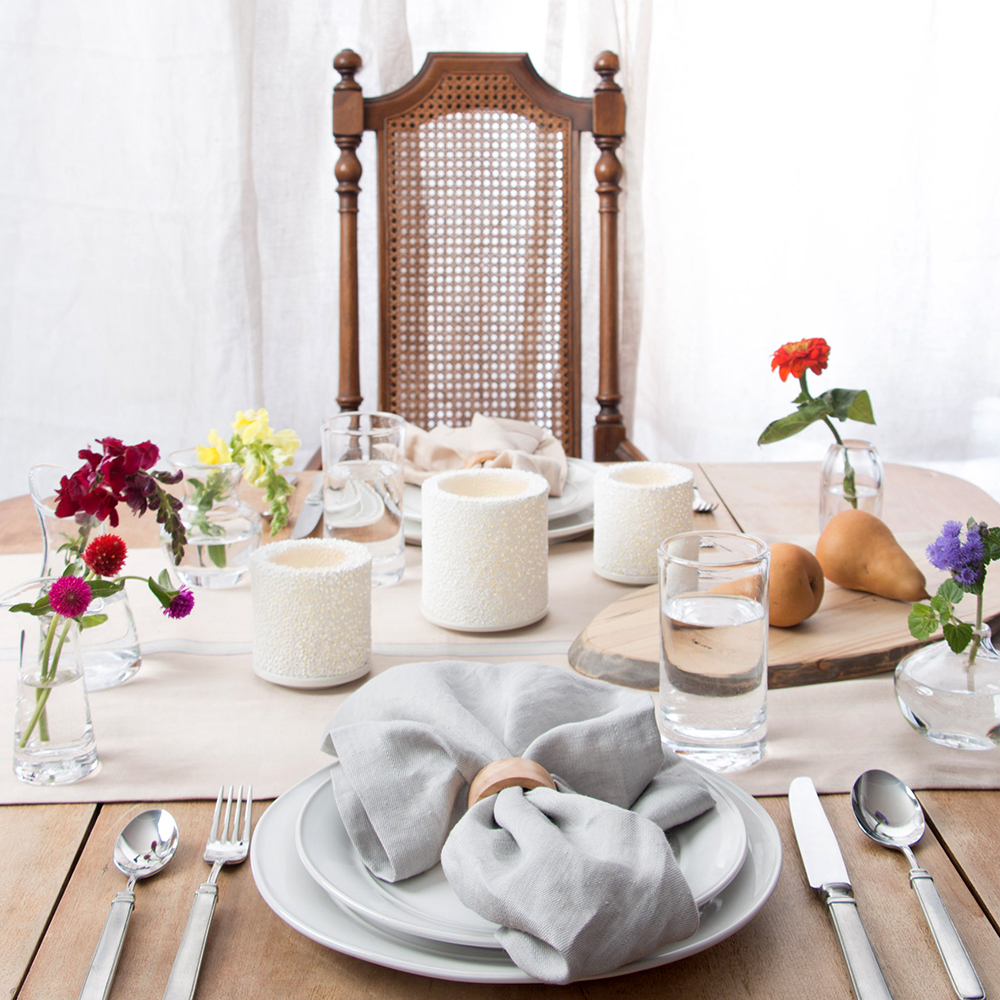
[
  {"x": 312, "y": 509},
  {"x": 826, "y": 871}
]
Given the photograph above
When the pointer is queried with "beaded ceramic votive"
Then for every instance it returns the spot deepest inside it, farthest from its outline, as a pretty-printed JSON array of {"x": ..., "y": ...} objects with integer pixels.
[
  {"x": 485, "y": 549},
  {"x": 636, "y": 506},
  {"x": 312, "y": 613}
]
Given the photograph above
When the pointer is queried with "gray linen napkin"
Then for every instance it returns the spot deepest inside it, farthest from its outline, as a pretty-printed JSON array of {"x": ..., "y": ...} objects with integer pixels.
[{"x": 581, "y": 880}]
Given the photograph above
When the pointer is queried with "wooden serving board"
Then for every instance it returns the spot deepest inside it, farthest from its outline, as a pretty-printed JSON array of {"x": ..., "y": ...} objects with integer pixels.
[{"x": 852, "y": 635}]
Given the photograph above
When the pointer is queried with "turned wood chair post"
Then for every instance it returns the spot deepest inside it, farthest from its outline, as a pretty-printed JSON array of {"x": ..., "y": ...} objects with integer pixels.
[
  {"x": 348, "y": 127},
  {"x": 608, "y": 131}
]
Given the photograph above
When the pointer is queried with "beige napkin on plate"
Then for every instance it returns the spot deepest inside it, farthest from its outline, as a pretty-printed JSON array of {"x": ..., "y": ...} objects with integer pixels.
[
  {"x": 581, "y": 880},
  {"x": 518, "y": 444}
]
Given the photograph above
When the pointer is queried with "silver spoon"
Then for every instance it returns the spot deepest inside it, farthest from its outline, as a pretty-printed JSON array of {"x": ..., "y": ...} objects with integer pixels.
[
  {"x": 887, "y": 811},
  {"x": 145, "y": 845}
]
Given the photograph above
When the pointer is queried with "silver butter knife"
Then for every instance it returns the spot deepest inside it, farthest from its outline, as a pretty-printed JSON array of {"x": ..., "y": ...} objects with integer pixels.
[
  {"x": 312, "y": 509},
  {"x": 827, "y": 872}
]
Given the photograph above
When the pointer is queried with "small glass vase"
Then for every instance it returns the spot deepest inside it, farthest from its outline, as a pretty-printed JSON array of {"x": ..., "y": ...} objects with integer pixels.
[
  {"x": 852, "y": 476},
  {"x": 53, "y": 734},
  {"x": 110, "y": 650},
  {"x": 948, "y": 700},
  {"x": 222, "y": 530}
]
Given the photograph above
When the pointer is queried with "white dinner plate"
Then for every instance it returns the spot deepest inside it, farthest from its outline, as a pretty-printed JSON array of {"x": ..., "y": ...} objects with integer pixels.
[
  {"x": 577, "y": 494},
  {"x": 290, "y": 891},
  {"x": 709, "y": 850}
]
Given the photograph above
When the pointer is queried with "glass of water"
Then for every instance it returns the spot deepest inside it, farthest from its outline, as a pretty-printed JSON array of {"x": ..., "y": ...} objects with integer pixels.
[
  {"x": 713, "y": 647},
  {"x": 363, "y": 488}
]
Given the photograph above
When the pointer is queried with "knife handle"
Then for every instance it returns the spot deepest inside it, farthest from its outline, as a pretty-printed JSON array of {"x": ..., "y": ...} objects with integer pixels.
[
  {"x": 866, "y": 974},
  {"x": 956, "y": 959}
]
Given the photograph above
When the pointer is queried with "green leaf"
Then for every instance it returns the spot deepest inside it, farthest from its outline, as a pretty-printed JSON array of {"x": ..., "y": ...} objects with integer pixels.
[
  {"x": 217, "y": 553},
  {"x": 861, "y": 408},
  {"x": 942, "y": 607},
  {"x": 89, "y": 621},
  {"x": 163, "y": 580},
  {"x": 950, "y": 591},
  {"x": 30, "y": 609},
  {"x": 922, "y": 621},
  {"x": 106, "y": 588},
  {"x": 958, "y": 636},
  {"x": 805, "y": 415}
]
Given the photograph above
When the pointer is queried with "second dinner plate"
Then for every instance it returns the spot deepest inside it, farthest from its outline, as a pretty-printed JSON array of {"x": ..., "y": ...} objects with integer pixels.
[{"x": 709, "y": 849}]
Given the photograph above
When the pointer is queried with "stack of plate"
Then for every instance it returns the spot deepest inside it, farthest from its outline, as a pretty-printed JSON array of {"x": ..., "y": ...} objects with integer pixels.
[
  {"x": 570, "y": 515},
  {"x": 308, "y": 872}
]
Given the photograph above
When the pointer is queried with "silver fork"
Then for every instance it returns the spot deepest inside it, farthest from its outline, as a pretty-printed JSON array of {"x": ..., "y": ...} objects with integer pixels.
[
  {"x": 223, "y": 848},
  {"x": 702, "y": 506}
]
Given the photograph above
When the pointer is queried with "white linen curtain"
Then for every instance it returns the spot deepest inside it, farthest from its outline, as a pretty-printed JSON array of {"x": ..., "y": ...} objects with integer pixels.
[{"x": 168, "y": 223}]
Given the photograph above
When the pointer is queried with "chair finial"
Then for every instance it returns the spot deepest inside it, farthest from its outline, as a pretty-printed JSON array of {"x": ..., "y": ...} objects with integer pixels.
[
  {"x": 347, "y": 62},
  {"x": 606, "y": 65}
]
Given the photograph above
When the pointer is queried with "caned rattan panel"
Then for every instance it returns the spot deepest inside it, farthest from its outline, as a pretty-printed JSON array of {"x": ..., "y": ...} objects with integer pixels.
[{"x": 478, "y": 260}]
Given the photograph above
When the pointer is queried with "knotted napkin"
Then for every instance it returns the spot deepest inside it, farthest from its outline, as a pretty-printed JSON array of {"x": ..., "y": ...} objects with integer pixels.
[
  {"x": 516, "y": 444},
  {"x": 580, "y": 880}
]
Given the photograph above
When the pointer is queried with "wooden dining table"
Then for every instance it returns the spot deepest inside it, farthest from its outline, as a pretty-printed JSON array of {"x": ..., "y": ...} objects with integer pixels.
[{"x": 57, "y": 879}]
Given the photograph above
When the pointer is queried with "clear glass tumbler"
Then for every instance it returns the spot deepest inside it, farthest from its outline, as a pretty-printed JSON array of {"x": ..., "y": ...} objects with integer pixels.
[
  {"x": 713, "y": 647},
  {"x": 363, "y": 488}
]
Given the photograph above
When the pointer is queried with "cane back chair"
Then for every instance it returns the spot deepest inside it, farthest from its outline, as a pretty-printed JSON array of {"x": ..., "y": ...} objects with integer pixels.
[{"x": 479, "y": 244}]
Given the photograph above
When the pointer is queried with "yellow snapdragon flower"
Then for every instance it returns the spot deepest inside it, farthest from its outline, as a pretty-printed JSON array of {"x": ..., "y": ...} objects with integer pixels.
[
  {"x": 252, "y": 425},
  {"x": 216, "y": 452}
]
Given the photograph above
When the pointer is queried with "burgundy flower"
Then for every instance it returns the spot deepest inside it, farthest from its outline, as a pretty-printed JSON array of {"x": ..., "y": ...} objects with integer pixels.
[
  {"x": 70, "y": 596},
  {"x": 105, "y": 555},
  {"x": 181, "y": 605}
]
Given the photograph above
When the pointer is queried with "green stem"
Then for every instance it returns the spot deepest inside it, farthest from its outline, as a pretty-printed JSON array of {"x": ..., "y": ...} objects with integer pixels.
[
  {"x": 977, "y": 639},
  {"x": 39, "y": 717}
]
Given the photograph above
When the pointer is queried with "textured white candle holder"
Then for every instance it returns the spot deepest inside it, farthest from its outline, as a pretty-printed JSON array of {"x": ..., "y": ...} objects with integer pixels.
[
  {"x": 312, "y": 612},
  {"x": 485, "y": 549},
  {"x": 636, "y": 506}
]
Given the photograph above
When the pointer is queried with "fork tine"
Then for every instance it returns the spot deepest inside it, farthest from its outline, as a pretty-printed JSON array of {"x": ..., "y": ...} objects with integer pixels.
[
  {"x": 223, "y": 831},
  {"x": 231, "y": 834},
  {"x": 215, "y": 816},
  {"x": 246, "y": 819}
]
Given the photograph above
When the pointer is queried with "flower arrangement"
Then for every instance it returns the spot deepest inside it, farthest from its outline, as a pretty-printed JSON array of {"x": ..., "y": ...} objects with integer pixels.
[
  {"x": 966, "y": 560},
  {"x": 119, "y": 474},
  {"x": 260, "y": 452},
  {"x": 68, "y": 598},
  {"x": 797, "y": 359}
]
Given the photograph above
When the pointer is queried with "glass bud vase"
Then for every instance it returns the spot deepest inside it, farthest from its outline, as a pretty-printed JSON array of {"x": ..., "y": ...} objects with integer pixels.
[
  {"x": 53, "y": 734},
  {"x": 110, "y": 650},
  {"x": 949, "y": 700},
  {"x": 222, "y": 530},
  {"x": 852, "y": 476}
]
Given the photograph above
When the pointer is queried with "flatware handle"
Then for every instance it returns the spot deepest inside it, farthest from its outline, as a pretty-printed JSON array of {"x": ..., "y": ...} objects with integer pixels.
[
  {"x": 866, "y": 974},
  {"x": 187, "y": 963},
  {"x": 97, "y": 985},
  {"x": 956, "y": 959}
]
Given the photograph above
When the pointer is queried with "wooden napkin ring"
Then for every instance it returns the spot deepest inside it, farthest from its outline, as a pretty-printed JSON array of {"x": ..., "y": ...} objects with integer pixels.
[
  {"x": 505, "y": 773},
  {"x": 478, "y": 459}
]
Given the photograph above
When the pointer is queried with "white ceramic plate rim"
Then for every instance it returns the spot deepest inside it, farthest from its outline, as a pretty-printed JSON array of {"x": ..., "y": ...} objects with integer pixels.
[
  {"x": 578, "y": 494},
  {"x": 710, "y": 850},
  {"x": 288, "y": 890}
]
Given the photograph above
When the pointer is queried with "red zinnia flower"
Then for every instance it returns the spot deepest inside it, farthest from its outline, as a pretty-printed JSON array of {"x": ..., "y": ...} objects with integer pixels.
[
  {"x": 796, "y": 357},
  {"x": 105, "y": 555},
  {"x": 70, "y": 596}
]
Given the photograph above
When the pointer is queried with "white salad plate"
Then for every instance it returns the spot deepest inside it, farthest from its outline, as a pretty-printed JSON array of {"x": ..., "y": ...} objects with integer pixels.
[
  {"x": 291, "y": 892},
  {"x": 577, "y": 494},
  {"x": 709, "y": 849}
]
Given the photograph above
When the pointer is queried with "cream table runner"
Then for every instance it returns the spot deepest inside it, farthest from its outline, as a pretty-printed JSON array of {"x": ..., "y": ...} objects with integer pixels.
[{"x": 196, "y": 716}]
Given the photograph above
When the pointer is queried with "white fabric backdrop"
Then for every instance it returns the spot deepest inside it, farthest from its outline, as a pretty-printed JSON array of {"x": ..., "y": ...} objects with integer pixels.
[{"x": 168, "y": 225}]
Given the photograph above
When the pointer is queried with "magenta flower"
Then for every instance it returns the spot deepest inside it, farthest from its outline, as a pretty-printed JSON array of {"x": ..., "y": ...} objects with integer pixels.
[
  {"x": 181, "y": 605},
  {"x": 70, "y": 596}
]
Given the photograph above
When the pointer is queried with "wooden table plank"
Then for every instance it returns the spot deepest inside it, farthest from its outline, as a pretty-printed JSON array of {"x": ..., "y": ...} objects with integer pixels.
[
  {"x": 40, "y": 844},
  {"x": 968, "y": 822}
]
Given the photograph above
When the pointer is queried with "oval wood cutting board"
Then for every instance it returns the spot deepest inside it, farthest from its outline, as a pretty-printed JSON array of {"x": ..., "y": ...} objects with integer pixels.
[{"x": 852, "y": 635}]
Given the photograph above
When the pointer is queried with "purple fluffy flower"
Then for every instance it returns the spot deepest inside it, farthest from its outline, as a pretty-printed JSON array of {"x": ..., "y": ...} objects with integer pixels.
[
  {"x": 70, "y": 596},
  {"x": 964, "y": 560},
  {"x": 181, "y": 605}
]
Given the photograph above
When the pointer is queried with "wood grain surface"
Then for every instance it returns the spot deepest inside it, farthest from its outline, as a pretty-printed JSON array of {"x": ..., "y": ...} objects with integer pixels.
[{"x": 853, "y": 634}]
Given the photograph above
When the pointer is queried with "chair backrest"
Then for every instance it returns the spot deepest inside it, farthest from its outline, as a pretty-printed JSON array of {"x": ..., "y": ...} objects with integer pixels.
[{"x": 479, "y": 243}]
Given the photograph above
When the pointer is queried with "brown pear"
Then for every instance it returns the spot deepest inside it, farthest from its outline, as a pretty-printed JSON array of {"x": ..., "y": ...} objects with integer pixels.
[
  {"x": 796, "y": 584},
  {"x": 859, "y": 552}
]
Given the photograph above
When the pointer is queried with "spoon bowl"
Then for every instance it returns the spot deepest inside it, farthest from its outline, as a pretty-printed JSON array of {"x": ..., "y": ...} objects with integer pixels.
[
  {"x": 146, "y": 844},
  {"x": 887, "y": 811}
]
